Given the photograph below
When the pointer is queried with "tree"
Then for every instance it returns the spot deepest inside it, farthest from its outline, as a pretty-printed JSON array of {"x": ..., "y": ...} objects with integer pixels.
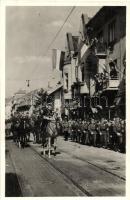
[{"x": 43, "y": 102}]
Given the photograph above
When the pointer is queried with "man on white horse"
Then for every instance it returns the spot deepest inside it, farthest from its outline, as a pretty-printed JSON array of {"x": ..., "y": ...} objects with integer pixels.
[{"x": 51, "y": 132}]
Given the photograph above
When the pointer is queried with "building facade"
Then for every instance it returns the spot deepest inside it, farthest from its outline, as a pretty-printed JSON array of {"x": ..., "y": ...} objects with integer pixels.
[{"x": 101, "y": 55}]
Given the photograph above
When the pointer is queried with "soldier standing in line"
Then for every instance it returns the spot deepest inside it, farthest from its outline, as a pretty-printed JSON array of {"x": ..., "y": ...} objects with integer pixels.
[
  {"x": 65, "y": 128},
  {"x": 37, "y": 128},
  {"x": 93, "y": 132},
  {"x": 118, "y": 133},
  {"x": 106, "y": 135},
  {"x": 79, "y": 131},
  {"x": 86, "y": 136},
  {"x": 116, "y": 127},
  {"x": 98, "y": 134},
  {"x": 73, "y": 131},
  {"x": 123, "y": 132},
  {"x": 69, "y": 128},
  {"x": 102, "y": 133},
  {"x": 76, "y": 130},
  {"x": 111, "y": 134},
  {"x": 28, "y": 127}
]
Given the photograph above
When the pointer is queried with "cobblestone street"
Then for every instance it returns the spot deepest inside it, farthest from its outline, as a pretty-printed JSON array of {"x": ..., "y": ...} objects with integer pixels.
[{"x": 82, "y": 170}]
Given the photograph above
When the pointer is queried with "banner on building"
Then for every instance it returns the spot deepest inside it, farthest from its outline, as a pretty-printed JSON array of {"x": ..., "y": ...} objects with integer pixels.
[{"x": 57, "y": 59}]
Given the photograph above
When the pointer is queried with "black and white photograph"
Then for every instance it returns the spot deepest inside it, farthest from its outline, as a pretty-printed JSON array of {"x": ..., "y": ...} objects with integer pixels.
[{"x": 65, "y": 101}]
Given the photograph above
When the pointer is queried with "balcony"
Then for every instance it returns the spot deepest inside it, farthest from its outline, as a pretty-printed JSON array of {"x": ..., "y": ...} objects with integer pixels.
[
  {"x": 111, "y": 84},
  {"x": 84, "y": 88}
]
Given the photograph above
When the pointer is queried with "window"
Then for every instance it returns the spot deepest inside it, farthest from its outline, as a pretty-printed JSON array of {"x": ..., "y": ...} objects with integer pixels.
[
  {"x": 100, "y": 36},
  {"x": 76, "y": 72},
  {"x": 111, "y": 32},
  {"x": 85, "y": 101}
]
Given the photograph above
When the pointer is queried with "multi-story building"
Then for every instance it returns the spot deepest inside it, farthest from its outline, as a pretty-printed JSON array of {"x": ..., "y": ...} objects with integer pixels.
[
  {"x": 101, "y": 58},
  {"x": 68, "y": 72}
]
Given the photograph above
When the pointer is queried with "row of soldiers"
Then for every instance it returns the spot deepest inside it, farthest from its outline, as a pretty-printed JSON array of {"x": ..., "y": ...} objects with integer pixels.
[
  {"x": 98, "y": 133},
  {"x": 103, "y": 133}
]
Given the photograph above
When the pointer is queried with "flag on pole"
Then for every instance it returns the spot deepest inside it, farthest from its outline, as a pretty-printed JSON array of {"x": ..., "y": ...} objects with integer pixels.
[{"x": 57, "y": 59}]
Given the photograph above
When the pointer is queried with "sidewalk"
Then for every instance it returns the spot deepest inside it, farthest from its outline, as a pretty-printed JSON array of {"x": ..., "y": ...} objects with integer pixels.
[{"x": 109, "y": 160}]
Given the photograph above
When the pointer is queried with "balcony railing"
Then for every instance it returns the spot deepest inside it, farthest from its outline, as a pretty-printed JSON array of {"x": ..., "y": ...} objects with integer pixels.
[
  {"x": 112, "y": 84},
  {"x": 108, "y": 83}
]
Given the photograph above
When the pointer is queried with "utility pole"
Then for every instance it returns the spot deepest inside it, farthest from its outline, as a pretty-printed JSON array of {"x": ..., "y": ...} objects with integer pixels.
[{"x": 28, "y": 83}]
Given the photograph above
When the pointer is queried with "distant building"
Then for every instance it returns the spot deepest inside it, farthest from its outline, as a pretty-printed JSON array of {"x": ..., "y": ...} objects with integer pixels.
[
  {"x": 69, "y": 69},
  {"x": 56, "y": 94},
  {"x": 8, "y": 108}
]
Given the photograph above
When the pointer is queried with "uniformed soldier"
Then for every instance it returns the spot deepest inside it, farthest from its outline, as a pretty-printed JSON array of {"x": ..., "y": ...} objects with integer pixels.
[
  {"x": 93, "y": 132},
  {"x": 98, "y": 133},
  {"x": 79, "y": 131},
  {"x": 70, "y": 128},
  {"x": 123, "y": 132},
  {"x": 65, "y": 126},
  {"x": 106, "y": 135},
  {"x": 37, "y": 128},
  {"x": 76, "y": 125},
  {"x": 102, "y": 133},
  {"x": 86, "y": 133},
  {"x": 119, "y": 134},
  {"x": 116, "y": 128},
  {"x": 74, "y": 131}
]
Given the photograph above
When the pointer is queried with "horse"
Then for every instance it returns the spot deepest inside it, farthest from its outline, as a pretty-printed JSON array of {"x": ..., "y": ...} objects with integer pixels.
[{"x": 50, "y": 136}]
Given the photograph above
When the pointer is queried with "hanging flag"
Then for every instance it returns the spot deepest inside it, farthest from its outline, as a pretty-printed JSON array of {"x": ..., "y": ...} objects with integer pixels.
[{"x": 57, "y": 59}]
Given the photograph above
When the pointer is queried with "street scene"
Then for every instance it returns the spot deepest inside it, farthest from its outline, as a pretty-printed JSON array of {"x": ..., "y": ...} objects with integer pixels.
[{"x": 65, "y": 106}]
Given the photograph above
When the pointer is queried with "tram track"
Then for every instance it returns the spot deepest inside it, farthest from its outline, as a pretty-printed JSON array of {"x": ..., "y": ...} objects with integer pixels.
[
  {"x": 87, "y": 193},
  {"x": 92, "y": 164},
  {"x": 72, "y": 179}
]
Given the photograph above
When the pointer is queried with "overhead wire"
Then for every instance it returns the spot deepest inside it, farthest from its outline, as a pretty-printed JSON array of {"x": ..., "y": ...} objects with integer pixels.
[{"x": 55, "y": 37}]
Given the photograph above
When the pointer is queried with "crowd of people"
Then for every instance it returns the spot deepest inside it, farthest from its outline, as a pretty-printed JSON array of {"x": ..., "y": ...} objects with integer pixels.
[
  {"x": 97, "y": 133},
  {"x": 92, "y": 132}
]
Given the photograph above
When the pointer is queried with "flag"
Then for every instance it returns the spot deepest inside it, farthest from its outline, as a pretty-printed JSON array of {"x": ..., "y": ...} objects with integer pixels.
[{"x": 57, "y": 59}]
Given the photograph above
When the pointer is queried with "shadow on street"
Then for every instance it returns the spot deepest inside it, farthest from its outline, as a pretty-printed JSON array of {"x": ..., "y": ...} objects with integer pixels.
[{"x": 12, "y": 186}]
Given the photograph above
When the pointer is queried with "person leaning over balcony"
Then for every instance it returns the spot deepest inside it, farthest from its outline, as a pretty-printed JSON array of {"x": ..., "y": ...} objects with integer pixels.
[{"x": 113, "y": 70}]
